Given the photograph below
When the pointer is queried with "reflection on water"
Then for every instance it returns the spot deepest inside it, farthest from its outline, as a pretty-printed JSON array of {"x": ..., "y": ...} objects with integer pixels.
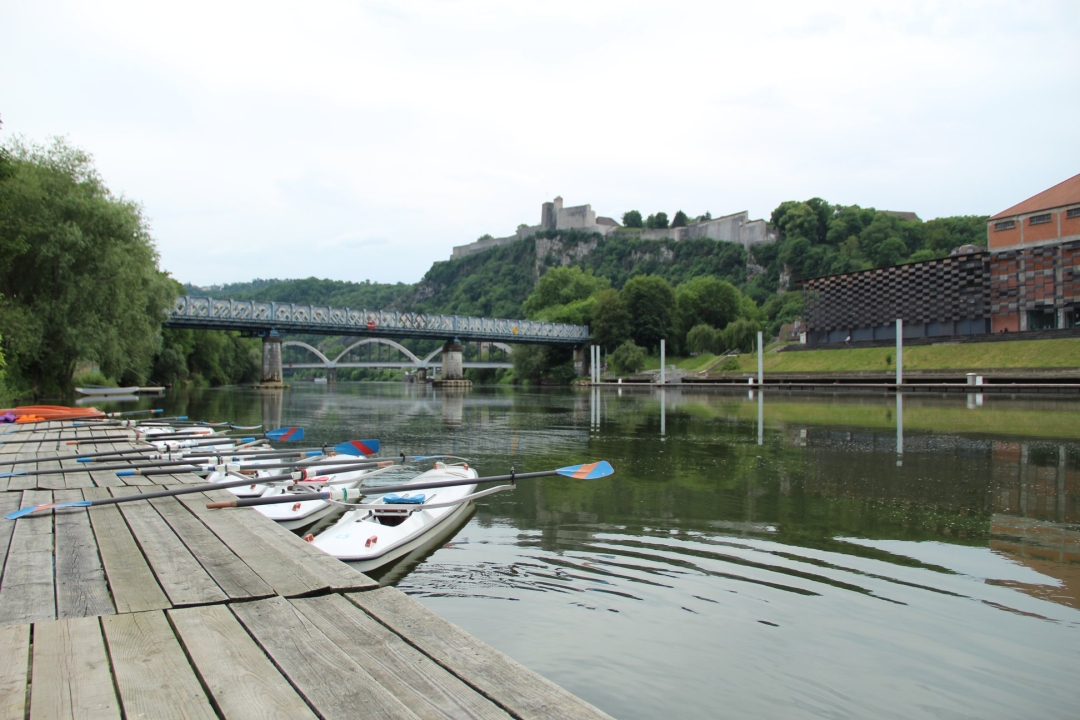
[{"x": 780, "y": 557}]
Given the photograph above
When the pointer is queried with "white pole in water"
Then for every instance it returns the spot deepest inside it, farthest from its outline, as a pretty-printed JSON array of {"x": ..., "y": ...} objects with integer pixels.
[
  {"x": 760, "y": 371},
  {"x": 662, "y": 361},
  {"x": 899, "y": 351},
  {"x": 592, "y": 364}
]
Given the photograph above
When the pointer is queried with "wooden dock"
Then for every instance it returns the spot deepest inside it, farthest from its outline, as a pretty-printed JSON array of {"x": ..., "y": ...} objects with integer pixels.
[{"x": 164, "y": 609}]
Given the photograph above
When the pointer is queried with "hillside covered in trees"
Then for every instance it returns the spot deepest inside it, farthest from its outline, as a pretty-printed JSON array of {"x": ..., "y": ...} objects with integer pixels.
[{"x": 689, "y": 292}]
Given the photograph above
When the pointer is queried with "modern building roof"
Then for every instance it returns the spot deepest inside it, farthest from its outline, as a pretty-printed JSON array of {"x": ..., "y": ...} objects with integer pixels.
[
  {"x": 903, "y": 215},
  {"x": 1064, "y": 193}
]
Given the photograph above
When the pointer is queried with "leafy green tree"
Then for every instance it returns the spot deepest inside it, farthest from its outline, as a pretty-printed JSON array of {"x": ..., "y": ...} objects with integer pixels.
[
  {"x": 680, "y": 219},
  {"x": 705, "y": 299},
  {"x": 702, "y": 339},
  {"x": 890, "y": 252},
  {"x": 79, "y": 272},
  {"x": 632, "y": 219},
  {"x": 661, "y": 221},
  {"x": 741, "y": 335},
  {"x": 781, "y": 309},
  {"x": 610, "y": 322},
  {"x": 561, "y": 286},
  {"x": 650, "y": 304},
  {"x": 627, "y": 358}
]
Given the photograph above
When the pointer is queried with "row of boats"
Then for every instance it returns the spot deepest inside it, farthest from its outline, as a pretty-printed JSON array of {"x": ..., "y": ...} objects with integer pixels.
[
  {"x": 297, "y": 488},
  {"x": 368, "y": 535}
]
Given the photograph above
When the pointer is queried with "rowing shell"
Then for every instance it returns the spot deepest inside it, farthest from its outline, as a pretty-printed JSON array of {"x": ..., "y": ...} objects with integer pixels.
[{"x": 379, "y": 533}]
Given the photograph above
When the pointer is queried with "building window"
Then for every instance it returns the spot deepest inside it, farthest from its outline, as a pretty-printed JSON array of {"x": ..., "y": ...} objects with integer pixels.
[
  {"x": 1039, "y": 219},
  {"x": 1042, "y": 319},
  {"x": 1005, "y": 225},
  {"x": 1072, "y": 212}
]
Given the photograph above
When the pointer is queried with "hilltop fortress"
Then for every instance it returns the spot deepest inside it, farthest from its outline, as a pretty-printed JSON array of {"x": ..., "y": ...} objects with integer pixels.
[{"x": 735, "y": 228}]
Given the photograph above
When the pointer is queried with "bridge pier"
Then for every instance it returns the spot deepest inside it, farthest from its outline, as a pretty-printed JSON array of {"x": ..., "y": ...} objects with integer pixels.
[
  {"x": 421, "y": 375},
  {"x": 271, "y": 361},
  {"x": 581, "y": 365},
  {"x": 452, "y": 371}
]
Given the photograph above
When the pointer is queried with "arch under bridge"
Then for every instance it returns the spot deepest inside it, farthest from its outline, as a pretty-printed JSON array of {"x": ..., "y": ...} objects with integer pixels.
[
  {"x": 269, "y": 320},
  {"x": 421, "y": 365}
]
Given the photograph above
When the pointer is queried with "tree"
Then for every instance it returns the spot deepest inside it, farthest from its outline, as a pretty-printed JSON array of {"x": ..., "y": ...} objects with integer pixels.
[
  {"x": 741, "y": 335},
  {"x": 680, "y": 219},
  {"x": 631, "y": 219},
  {"x": 79, "y": 272},
  {"x": 702, "y": 339},
  {"x": 562, "y": 286},
  {"x": 650, "y": 304},
  {"x": 610, "y": 322},
  {"x": 705, "y": 299},
  {"x": 627, "y": 358},
  {"x": 661, "y": 221}
]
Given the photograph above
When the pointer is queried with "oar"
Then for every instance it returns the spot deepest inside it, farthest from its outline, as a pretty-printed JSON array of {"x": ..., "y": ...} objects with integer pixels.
[
  {"x": 174, "y": 464},
  {"x": 590, "y": 471},
  {"x": 119, "y": 453},
  {"x": 285, "y": 434},
  {"x": 23, "y": 512},
  {"x": 305, "y": 472}
]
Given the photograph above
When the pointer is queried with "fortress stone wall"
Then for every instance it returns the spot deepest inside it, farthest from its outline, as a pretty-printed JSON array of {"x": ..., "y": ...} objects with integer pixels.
[{"x": 736, "y": 228}]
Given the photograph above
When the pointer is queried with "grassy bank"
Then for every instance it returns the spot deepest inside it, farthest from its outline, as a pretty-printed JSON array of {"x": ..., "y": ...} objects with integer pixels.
[{"x": 1064, "y": 353}]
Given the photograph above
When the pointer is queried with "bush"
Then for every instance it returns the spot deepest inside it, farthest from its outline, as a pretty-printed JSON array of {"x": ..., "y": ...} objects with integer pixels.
[
  {"x": 627, "y": 358},
  {"x": 94, "y": 377}
]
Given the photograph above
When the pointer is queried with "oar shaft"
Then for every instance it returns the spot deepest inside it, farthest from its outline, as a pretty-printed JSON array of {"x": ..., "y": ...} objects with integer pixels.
[{"x": 300, "y": 497}]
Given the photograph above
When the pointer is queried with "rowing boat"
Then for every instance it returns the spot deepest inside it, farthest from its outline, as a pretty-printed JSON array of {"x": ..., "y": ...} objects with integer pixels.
[
  {"x": 294, "y": 516},
  {"x": 102, "y": 390},
  {"x": 392, "y": 526}
]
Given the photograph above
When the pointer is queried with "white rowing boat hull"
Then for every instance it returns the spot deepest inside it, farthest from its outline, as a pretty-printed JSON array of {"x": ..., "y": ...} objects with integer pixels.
[
  {"x": 366, "y": 540},
  {"x": 98, "y": 391}
]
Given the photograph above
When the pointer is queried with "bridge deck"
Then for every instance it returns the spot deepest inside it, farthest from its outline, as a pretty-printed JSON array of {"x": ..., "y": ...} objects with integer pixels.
[
  {"x": 263, "y": 317},
  {"x": 166, "y": 609}
]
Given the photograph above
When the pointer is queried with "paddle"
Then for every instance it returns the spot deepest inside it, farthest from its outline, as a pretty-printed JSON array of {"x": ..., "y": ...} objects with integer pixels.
[
  {"x": 351, "y": 448},
  {"x": 158, "y": 447},
  {"x": 23, "y": 512},
  {"x": 590, "y": 471},
  {"x": 156, "y": 464},
  {"x": 285, "y": 434}
]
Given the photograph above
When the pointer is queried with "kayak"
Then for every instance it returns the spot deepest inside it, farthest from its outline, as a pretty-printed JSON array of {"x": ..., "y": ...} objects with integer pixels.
[
  {"x": 392, "y": 526},
  {"x": 102, "y": 390},
  {"x": 43, "y": 413},
  {"x": 294, "y": 516}
]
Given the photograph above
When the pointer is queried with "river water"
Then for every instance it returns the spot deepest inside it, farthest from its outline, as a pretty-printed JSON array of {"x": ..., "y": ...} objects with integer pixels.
[{"x": 786, "y": 556}]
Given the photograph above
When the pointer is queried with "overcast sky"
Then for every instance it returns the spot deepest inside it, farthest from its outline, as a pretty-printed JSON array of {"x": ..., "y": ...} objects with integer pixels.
[{"x": 362, "y": 140}]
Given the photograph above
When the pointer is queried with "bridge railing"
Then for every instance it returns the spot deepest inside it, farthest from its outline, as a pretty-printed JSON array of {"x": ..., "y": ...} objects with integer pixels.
[{"x": 258, "y": 316}]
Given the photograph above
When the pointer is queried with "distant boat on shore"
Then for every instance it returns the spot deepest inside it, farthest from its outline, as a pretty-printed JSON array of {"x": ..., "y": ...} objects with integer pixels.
[{"x": 102, "y": 390}]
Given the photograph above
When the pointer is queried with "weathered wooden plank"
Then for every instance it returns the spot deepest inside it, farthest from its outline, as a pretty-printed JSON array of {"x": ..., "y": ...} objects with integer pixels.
[
  {"x": 230, "y": 573},
  {"x": 242, "y": 681},
  {"x": 181, "y": 576},
  {"x": 310, "y": 659},
  {"x": 81, "y": 588},
  {"x": 510, "y": 684},
  {"x": 9, "y": 502},
  {"x": 416, "y": 680},
  {"x": 152, "y": 674},
  {"x": 76, "y": 479},
  {"x": 270, "y": 560},
  {"x": 14, "y": 670},
  {"x": 336, "y": 574},
  {"x": 105, "y": 478},
  {"x": 71, "y": 672},
  {"x": 26, "y": 590},
  {"x": 133, "y": 585}
]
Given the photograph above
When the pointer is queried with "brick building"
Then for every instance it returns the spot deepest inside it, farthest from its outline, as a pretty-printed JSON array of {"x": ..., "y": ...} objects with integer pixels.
[{"x": 1027, "y": 279}]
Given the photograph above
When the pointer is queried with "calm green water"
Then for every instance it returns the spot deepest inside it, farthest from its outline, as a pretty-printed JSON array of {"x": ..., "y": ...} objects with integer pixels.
[{"x": 797, "y": 567}]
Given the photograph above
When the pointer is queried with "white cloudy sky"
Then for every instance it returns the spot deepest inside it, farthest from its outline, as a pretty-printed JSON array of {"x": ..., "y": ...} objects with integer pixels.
[{"x": 362, "y": 140}]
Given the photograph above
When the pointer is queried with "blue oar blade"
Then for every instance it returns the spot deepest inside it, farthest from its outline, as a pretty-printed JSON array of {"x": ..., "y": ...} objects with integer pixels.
[
  {"x": 358, "y": 447},
  {"x": 23, "y": 512},
  {"x": 589, "y": 471},
  {"x": 12, "y": 474},
  {"x": 286, "y": 434}
]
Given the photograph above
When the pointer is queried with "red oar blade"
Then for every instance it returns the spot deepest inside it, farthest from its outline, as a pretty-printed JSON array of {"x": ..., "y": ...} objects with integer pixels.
[
  {"x": 286, "y": 434},
  {"x": 358, "y": 447},
  {"x": 589, "y": 471}
]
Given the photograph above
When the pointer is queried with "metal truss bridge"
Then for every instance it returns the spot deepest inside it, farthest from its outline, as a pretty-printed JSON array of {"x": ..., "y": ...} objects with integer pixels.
[{"x": 268, "y": 318}]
